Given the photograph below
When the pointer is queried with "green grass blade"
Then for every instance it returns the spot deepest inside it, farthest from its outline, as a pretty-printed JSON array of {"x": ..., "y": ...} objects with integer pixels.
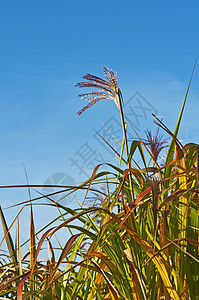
[
  {"x": 172, "y": 144},
  {"x": 9, "y": 240}
]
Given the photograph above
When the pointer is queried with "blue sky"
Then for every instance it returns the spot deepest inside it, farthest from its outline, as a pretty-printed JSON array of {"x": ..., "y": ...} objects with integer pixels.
[{"x": 47, "y": 46}]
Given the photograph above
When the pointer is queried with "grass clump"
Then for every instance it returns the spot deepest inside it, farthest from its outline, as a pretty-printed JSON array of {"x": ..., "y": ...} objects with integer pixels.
[{"x": 141, "y": 239}]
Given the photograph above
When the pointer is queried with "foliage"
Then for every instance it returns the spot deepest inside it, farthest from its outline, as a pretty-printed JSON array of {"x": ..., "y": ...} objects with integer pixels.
[{"x": 141, "y": 240}]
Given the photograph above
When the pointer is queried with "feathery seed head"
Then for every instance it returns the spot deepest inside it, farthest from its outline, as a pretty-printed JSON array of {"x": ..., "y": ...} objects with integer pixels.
[
  {"x": 108, "y": 89},
  {"x": 155, "y": 143}
]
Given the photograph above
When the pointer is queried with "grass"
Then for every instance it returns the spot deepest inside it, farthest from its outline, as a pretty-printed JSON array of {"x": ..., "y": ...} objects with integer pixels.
[{"x": 137, "y": 239}]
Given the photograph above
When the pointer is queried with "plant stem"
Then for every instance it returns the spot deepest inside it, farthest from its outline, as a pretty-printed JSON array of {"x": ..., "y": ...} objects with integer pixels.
[{"x": 126, "y": 144}]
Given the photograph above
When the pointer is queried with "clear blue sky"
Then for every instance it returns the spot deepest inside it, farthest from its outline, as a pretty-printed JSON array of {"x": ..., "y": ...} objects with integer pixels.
[{"x": 47, "y": 46}]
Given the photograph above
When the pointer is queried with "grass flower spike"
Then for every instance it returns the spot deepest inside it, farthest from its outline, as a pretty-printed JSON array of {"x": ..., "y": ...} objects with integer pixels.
[
  {"x": 108, "y": 88},
  {"x": 155, "y": 143}
]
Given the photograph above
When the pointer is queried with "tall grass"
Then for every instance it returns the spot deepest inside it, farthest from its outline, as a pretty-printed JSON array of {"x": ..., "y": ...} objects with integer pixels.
[{"x": 141, "y": 240}]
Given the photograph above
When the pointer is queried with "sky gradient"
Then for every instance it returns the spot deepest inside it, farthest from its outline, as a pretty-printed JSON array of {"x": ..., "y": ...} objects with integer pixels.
[{"x": 47, "y": 46}]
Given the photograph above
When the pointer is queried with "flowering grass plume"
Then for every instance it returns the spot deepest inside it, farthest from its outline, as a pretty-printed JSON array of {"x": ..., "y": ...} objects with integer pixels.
[
  {"x": 108, "y": 88},
  {"x": 155, "y": 143}
]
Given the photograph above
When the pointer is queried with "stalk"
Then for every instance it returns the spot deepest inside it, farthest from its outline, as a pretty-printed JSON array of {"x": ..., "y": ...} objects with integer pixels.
[{"x": 125, "y": 140}]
